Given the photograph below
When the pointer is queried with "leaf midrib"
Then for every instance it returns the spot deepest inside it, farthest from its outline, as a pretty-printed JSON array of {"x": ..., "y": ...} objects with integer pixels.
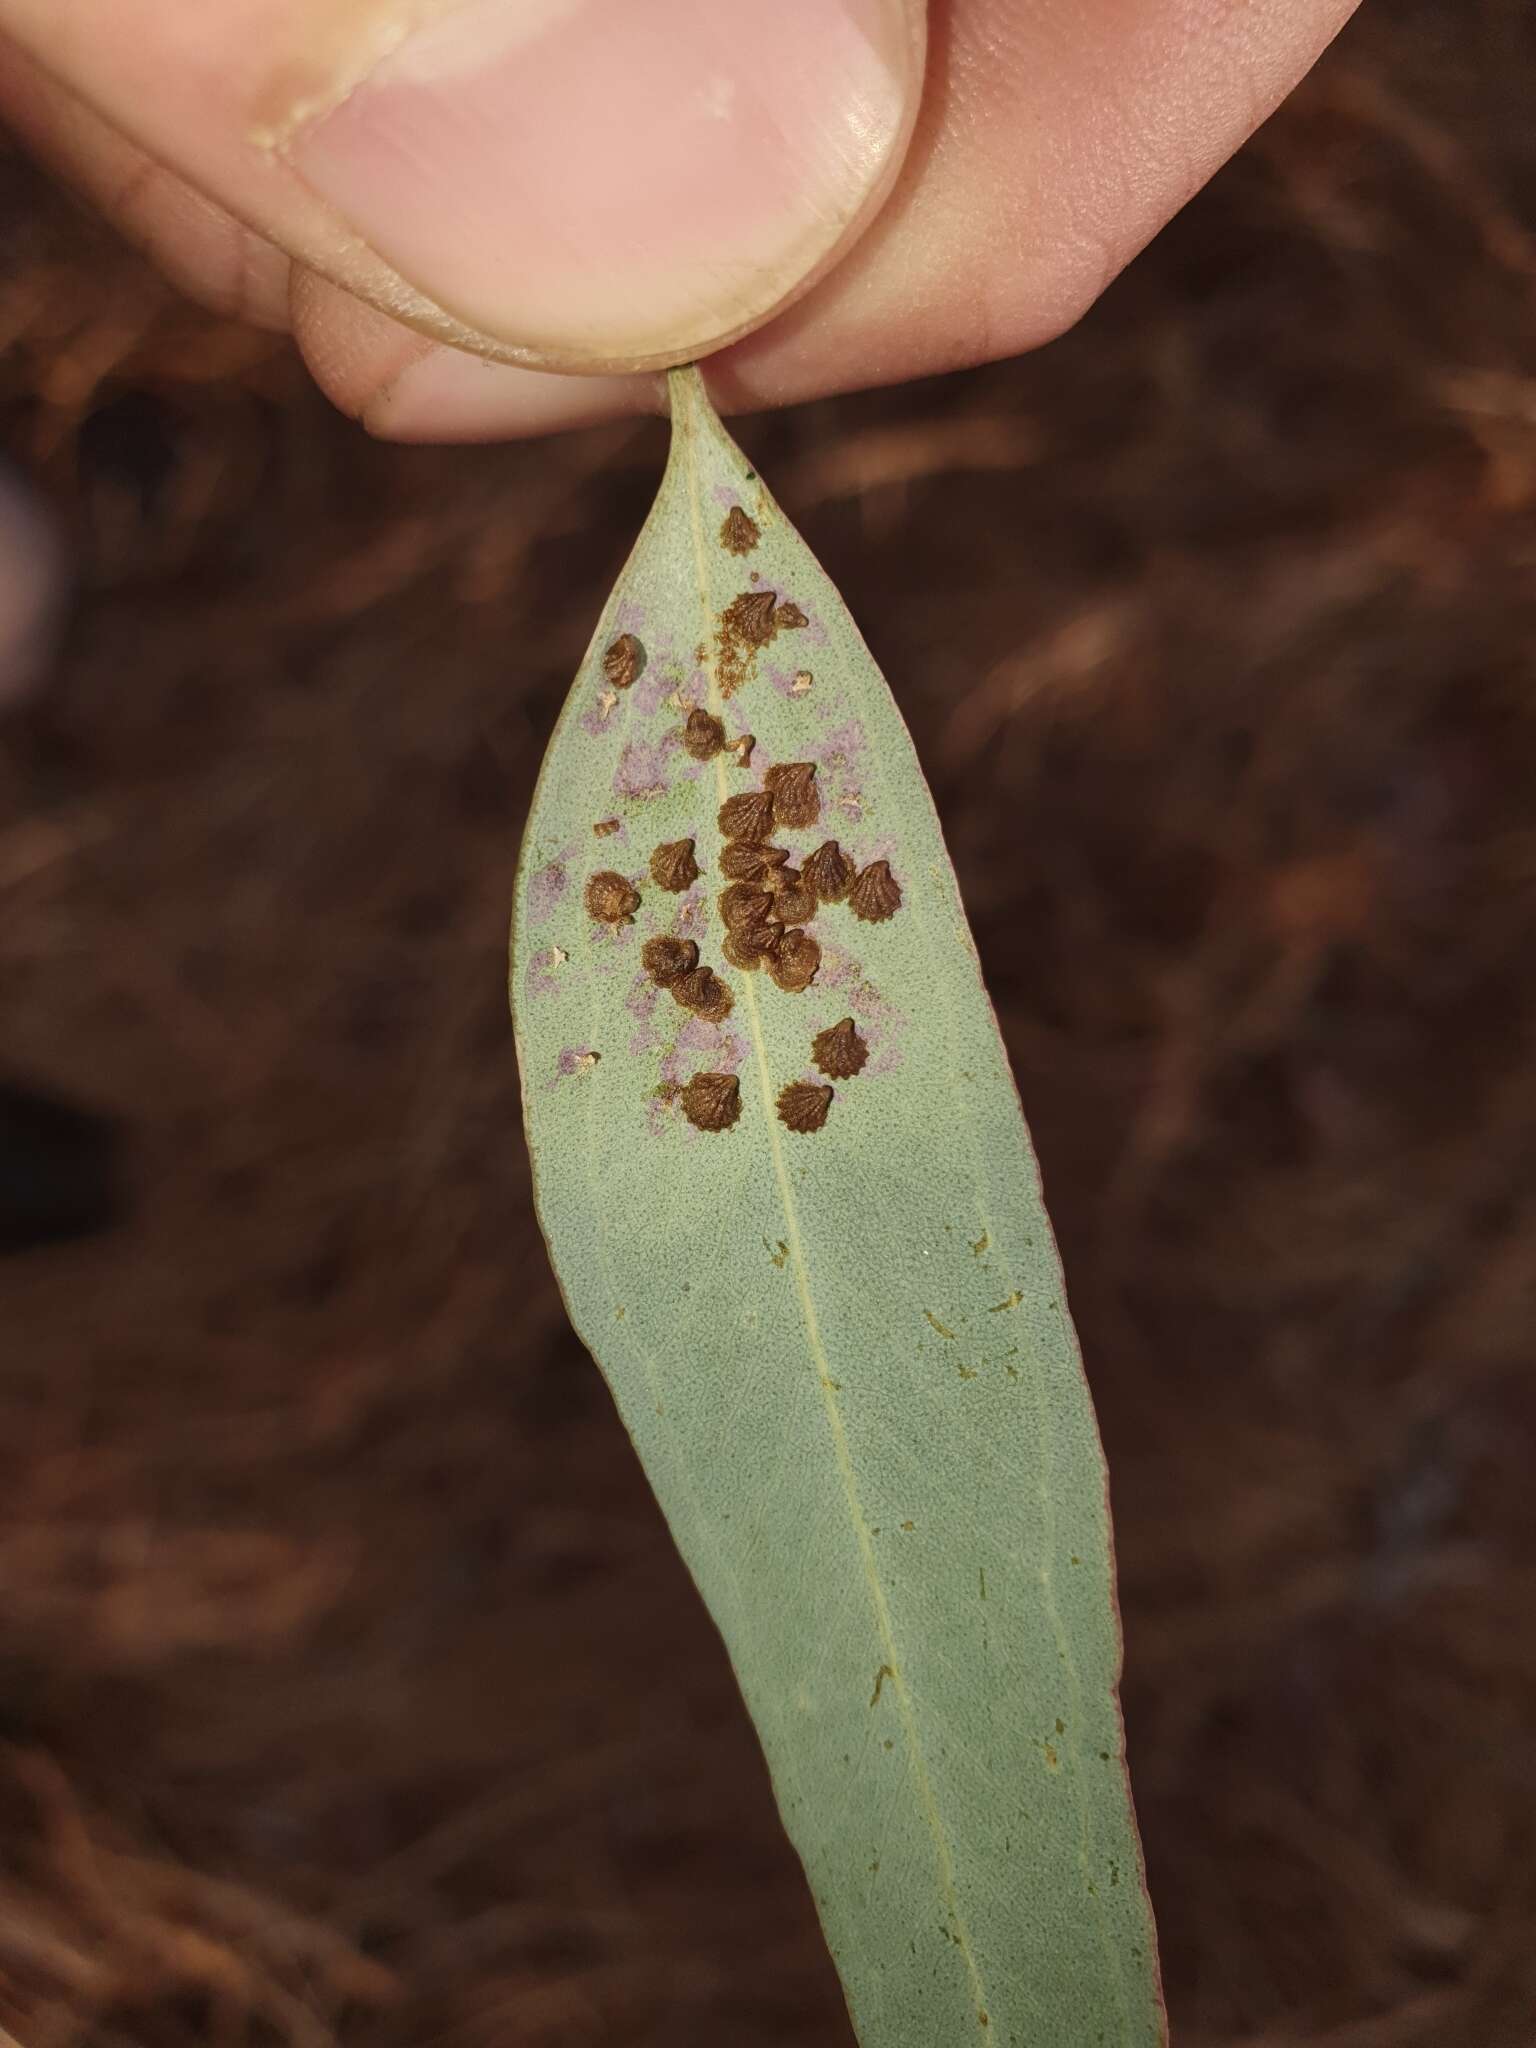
[{"x": 684, "y": 427}]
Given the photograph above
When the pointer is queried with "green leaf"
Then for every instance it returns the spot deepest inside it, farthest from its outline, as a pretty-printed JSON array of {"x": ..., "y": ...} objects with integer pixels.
[{"x": 843, "y": 1352}]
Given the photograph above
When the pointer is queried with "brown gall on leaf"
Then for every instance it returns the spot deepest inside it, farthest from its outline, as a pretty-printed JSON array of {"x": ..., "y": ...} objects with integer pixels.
[
  {"x": 788, "y": 617},
  {"x": 876, "y": 893},
  {"x": 744, "y": 860},
  {"x": 703, "y": 992},
  {"x": 610, "y": 899},
  {"x": 794, "y": 900},
  {"x": 667, "y": 960},
  {"x": 623, "y": 661},
  {"x": 741, "y": 905},
  {"x": 796, "y": 800},
  {"x": 750, "y": 618},
  {"x": 712, "y": 1102},
  {"x": 742, "y": 749},
  {"x": 749, "y": 947},
  {"x": 839, "y": 1051},
  {"x": 703, "y": 735},
  {"x": 795, "y": 963},
  {"x": 740, "y": 533},
  {"x": 673, "y": 865},
  {"x": 803, "y": 1105},
  {"x": 747, "y": 624},
  {"x": 748, "y": 816},
  {"x": 830, "y": 872},
  {"x": 605, "y": 828}
]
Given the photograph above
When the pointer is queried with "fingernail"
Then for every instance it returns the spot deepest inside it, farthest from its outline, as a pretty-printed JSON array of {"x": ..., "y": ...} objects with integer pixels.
[
  {"x": 446, "y": 395},
  {"x": 608, "y": 184}
]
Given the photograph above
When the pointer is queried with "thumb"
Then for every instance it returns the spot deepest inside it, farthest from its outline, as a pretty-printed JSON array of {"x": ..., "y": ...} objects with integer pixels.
[{"x": 577, "y": 184}]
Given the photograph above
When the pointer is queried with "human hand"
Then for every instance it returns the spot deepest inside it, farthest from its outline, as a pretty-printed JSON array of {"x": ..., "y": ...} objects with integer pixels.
[{"x": 448, "y": 200}]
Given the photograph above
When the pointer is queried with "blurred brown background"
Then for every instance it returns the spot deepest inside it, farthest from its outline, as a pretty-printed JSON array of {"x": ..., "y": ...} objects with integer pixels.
[{"x": 350, "y": 1691}]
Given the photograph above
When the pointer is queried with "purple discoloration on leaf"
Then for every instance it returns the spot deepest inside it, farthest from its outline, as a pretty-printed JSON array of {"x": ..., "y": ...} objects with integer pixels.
[
  {"x": 539, "y": 979},
  {"x": 641, "y": 1000},
  {"x": 655, "y": 687},
  {"x": 693, "y": 913},
  {"x": 696, "y": 1044},
  {"x": 574, "y": 1061},
  {"x": 613, "y": 949},
  {"x": 652, "y": 1022},
  {"x": 840, "y": 756},
  {"x": 863, "y": 851},
  {"x": 839, "y": 968},
  {"x": 701, "y": 1043},
  {"x": 642, "y": 769},
  {"x": 880, "y": 1022},
  {"x": 813, "y": 633},
  {"x": 699, "y": 1036},
  {"x": 628, "y": 617},
  {"x": 871, "y": 1008},
  {"x": 670, "y": 687},
  {"x": 548, "y": 888},
  {"x": 845, "y": 747}
]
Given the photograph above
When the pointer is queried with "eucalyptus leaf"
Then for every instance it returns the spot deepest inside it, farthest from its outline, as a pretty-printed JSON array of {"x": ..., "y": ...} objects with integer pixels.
[{"x": 790, "y": 1198}]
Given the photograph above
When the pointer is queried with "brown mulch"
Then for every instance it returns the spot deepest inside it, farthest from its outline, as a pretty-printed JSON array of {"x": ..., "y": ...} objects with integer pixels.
[{"x": 350, "y": 1691}]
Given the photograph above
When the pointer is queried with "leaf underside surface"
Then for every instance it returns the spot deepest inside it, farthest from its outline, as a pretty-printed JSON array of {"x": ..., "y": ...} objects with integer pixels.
[{"x": 836, "y": 1328}]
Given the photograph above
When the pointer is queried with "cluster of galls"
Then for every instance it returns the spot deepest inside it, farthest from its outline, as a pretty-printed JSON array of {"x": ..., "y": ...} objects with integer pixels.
[
  {"x": 765, "y": 906},
  {"x": 767, "y": 902},
  {"x": 712, "y": 1102},
  {"x": 673, "y": 964},
  {"x": 839, "y": 1051}
]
